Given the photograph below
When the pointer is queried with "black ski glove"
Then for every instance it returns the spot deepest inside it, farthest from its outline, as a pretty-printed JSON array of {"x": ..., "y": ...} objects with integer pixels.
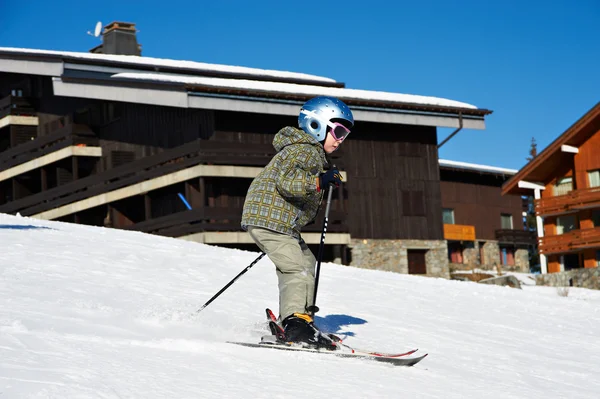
[{"x": 332, "y": 177}]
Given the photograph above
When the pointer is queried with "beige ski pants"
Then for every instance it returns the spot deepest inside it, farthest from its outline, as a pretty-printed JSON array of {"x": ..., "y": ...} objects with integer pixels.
[{"x": 295, "y": 266}]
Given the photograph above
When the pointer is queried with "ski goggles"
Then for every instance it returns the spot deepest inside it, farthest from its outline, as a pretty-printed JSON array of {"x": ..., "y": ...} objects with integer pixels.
[{"x": 337, "y": 130}]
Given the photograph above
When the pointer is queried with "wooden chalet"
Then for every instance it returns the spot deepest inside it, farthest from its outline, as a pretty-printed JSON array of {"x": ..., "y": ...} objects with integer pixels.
[
  {"x": 565, "y": 179},
  {"x": 114, "y": 140},
  {"x": 483, "y": 228}
]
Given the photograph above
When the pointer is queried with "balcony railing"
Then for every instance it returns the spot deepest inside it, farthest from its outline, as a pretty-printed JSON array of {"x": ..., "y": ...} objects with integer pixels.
[
  {"x": 516, "y": 237},
  {"x": 571, "y": 241},
  {"x": 11, "y": 105},
  {"x": 576, "y": 199}
]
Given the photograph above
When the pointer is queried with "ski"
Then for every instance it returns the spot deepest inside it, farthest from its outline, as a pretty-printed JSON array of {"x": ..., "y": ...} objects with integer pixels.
[
  {"x": 278, "y": 338},
  {"x": 396, "y": 361}
]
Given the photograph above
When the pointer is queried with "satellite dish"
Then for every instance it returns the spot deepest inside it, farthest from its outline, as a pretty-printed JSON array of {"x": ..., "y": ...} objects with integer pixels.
[{"x": 98, "y": 29}]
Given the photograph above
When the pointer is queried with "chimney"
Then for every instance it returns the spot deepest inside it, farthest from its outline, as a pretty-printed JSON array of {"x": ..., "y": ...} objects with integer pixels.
[{"x": 119, "y": 38}]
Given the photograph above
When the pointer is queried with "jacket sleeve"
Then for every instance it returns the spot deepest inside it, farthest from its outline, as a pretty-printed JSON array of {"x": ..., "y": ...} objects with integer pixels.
[{"x": 298, "y": 174}]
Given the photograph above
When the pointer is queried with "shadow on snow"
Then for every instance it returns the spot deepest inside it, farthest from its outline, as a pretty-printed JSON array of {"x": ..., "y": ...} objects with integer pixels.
[
  {"x": 333, "y": 323},
  {"x": 22, "y": 227}
]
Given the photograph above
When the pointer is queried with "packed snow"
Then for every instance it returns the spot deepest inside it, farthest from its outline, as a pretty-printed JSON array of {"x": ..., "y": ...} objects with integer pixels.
[
  {"x": 88, "y": 312},
  {"x": 476, "y": 167}
]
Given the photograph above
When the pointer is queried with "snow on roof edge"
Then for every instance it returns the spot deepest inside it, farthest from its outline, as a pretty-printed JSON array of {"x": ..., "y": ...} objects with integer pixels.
[
  {"x": 296, "y": 89},
  {"x": 473, "y": 166},
  {"x": 164, "y": 62}
]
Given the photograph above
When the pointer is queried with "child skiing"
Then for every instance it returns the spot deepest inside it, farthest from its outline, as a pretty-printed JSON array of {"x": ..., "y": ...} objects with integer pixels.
[{"x": 286, "y": 196}]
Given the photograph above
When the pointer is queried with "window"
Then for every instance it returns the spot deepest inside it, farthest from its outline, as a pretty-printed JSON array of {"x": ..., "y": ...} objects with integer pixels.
[
  {"x": 506, "y": 221},
  {"x": 596, "y": 217},
  {"x": 566, "y": 223},
  {"x": 448, "y": 215},
  {"x": 563, "y": 186},
  {"x": 594, "y": 178}
]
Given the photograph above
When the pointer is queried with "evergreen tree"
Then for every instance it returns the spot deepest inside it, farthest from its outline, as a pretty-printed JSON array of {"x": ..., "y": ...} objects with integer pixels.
[{"x": 532, "y": 150}]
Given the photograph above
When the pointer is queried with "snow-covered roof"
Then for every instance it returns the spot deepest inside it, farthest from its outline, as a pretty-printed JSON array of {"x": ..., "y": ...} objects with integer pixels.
[
  {"x": 240, "y": 78},
  {"x": 290, "y": 88},
  {"x": 160, "y": 62},
  {"x": 476, "y": 167}
]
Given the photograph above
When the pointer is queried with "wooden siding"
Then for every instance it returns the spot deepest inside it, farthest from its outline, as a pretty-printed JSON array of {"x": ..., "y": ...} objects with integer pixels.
[
  {"x": 480, "y": 206},
  {"x": 587, "y": 159},
  {"x": 393, "y": 187},
  {"x": 393, "y": 178}
]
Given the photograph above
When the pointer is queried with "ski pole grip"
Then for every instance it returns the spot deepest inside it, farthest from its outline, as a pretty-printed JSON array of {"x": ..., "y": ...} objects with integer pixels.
[{"x": 332, "y": 184}]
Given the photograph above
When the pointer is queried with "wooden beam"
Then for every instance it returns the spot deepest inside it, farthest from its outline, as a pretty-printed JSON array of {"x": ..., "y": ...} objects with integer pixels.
[
  {"x": 531, "y": 186},
  {"x": 568, "y": 148},
  {"x": 18, "y": 120},
  {"x": 55, "y": 156}
]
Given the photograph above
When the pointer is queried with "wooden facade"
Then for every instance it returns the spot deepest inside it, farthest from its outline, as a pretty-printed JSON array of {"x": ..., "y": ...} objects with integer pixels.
[
  {"x": 567, "y": 184},
  {"x": 123, "y": 164},
  {"x": 472, "y": 195},
  {"x": 477, "y": 201}
]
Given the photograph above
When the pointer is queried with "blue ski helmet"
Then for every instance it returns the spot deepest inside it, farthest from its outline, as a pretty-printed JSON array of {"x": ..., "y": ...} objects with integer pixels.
[{"x": 317, "y": 112}]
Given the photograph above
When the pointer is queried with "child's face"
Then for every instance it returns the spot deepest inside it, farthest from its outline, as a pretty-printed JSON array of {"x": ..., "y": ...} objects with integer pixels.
[{"x": 331, "y": 144}]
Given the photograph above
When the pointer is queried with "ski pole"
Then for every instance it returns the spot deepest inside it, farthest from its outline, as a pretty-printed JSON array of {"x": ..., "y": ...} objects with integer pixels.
[
  {"x": 314, "y": 309},
  {"x": 231, "y": 282}
]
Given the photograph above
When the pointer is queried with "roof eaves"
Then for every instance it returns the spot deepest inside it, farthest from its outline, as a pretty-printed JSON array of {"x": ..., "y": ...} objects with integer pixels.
[
  {"x": 471, "y": 167},
  {"x": 479, "y": 113},
  {"x": 156, "y": 68}
]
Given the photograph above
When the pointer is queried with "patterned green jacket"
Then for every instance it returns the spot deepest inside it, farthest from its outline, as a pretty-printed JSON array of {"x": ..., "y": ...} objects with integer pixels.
[{"x": 284, "y": 197}]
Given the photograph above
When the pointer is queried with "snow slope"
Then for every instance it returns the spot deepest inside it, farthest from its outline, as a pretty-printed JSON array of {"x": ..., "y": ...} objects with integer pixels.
[{"x": 99, "y": 313}]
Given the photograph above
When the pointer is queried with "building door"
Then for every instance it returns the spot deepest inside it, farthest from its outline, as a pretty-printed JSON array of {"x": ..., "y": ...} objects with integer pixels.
[
  {"x": 416, "y": 261},
  {"x": 455, "y": 250}
]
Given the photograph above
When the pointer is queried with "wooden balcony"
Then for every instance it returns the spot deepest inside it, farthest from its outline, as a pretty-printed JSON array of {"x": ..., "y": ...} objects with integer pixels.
[
  {"x": 572, "y": 241},
  {"x": 12, "y": 105},
  {"x": 516, "y": 237},
  {"x": 459, "y": 232},
  {"x": 576, "y": 199}
]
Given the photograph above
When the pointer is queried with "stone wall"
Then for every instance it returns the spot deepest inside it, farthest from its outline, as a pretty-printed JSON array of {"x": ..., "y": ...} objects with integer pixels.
[
  {"x": 522, "y": 260},
  {"x": 584, "y": 278},
  {"x": 391, "y": 255},
  {"x": 491, "y": 255},
  {"x": 471, "y": 253}
]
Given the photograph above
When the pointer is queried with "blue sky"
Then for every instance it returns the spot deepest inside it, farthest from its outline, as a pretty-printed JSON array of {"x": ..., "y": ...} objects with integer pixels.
[{"x": 534, "y": 63}]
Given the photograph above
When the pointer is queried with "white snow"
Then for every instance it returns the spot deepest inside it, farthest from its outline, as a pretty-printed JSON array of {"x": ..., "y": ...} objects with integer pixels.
[
  {"x": 160, "y": 62},
  {"x": 91, "y": 312},
  {"x": 240, "y": 83},
  {"x": 342, "y": 93},
  {"x": 477, "y": 167}
]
